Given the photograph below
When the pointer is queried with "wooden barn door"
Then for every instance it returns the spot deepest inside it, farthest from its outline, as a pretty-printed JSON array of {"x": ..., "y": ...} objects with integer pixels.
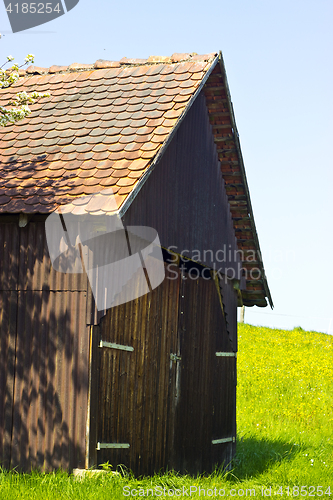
[
  {"x": 164, "y": 373},
  {"x": 136, "y": 375},
  {"x": 205, "y": 423}
]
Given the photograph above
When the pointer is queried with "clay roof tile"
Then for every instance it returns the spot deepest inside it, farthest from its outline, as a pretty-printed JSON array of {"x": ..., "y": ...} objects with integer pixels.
[{"x": 102, "y": 126}]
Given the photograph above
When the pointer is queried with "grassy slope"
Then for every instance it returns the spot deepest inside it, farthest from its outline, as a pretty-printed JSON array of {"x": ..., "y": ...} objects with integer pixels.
[
  {"x": 285, "y": 427},
  {"x": 285, "y": 406}
]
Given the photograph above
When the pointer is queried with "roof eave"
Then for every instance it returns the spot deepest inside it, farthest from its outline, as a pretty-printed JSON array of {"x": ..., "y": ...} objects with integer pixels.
[{"x": 246, "y": 187}]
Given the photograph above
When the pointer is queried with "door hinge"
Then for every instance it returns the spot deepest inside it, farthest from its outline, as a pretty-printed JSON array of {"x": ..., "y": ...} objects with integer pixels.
[
  {"x": 110, "y": 345},
  {"x": 226, "y": 354},
  {"x": 101, "y": 446},
  {"x": 224, "y": 440}
]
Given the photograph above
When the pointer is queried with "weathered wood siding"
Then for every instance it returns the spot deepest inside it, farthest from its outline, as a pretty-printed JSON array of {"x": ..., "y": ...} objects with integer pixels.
[{"x": 43, "y": 357}]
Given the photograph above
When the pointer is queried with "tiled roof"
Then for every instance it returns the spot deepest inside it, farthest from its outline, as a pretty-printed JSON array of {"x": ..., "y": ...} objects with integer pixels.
[
  {"x": 105, "y": 125},
  {"x": 101, "y": 127}
]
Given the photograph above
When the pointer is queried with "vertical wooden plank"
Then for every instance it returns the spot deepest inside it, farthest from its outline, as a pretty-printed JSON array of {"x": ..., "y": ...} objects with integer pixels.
[
  {"x": 92, "y": 421},
  {"x": 171, "y": 451},
  {"x": 9, "y": 255},
  {"x": 8, "y": 319},
  {"x": 19, "y": 455},
  {"x": 229, "y": 299}
]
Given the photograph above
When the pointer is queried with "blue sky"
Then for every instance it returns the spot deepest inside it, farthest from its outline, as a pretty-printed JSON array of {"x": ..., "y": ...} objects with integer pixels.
[{"x": 278, "y": 56}]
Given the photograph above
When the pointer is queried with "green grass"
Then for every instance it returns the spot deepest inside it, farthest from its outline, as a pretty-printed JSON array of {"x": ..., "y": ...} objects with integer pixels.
[{"x": 285, "y": 431}]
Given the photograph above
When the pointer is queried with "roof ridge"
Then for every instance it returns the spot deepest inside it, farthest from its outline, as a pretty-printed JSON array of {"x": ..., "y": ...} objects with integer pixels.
[{"x": 124, "y": 62}]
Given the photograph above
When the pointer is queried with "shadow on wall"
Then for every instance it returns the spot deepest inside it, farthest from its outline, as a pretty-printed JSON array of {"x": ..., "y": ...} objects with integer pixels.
[{"x": 43, "y": 364}]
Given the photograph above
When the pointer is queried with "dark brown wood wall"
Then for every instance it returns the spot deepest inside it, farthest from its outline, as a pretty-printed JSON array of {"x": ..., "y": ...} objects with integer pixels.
[{"x": 44, "y": 343}]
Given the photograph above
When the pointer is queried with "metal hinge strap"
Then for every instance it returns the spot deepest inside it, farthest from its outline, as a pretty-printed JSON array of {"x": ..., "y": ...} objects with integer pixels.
[
  {"x": 224, "y": 440},
  {"x": 115, "y": 346},
  {"x": 101, "y": 446},
  {"x": 226, "y": 354}
]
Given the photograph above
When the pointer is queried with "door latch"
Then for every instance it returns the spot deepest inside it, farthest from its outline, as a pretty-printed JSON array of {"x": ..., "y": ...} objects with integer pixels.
[{"x": 174, "y": 357}]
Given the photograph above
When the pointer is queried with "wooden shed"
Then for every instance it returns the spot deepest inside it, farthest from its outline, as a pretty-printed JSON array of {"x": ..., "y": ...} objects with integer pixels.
[{"x": 150, "y": 384}]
